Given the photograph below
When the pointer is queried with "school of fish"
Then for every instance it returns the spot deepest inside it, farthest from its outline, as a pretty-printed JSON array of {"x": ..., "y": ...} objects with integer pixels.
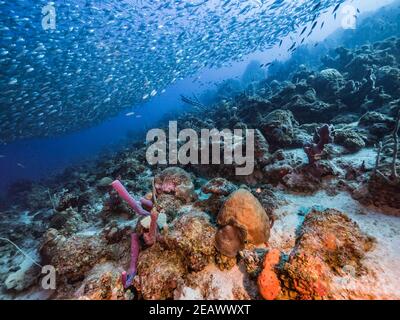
[{"x": 105, "y": 56}]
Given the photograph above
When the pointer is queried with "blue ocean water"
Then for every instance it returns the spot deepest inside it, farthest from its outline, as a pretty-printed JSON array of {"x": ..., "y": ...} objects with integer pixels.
[{"x": 35, "y": 159}]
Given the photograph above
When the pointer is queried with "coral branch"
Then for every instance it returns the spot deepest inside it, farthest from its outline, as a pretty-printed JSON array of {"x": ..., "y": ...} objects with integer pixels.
[
  {"x": 127, "y": 277},
  {"x": 20, "y": 250},
  {"x": 322, "y": 137},
  {"x": 395, "y": 147},
  {"x": 124, "y": 194},
  {"x": 378, "y": 157}
]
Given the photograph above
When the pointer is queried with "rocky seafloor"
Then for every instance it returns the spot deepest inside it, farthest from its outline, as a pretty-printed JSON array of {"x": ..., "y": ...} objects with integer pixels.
[{"x": 318, "y": 219}]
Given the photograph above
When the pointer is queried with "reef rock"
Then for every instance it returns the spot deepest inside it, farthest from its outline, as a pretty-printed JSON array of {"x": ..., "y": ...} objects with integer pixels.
[
  {"x": 159, "y": 272},
  {"x": 261, "y": 148},
  {"x": 169, "y": 205},
  {"x": 253, "y": 261},
  {"x": 277, "y": 128},
  {"x": 268, "y": 199},
  {"x": 345, "y": 118},
  {"x": 376, "y": 123},
  {"x": 306, "y": 112},
  {"x": 380, "y": 192},
  {"x": 389, "y": 78},
  {"x": 27, "y": 275},
  {"x": 103, "y": 282},
  {"x": 214, "y": 284},
  {"x": 73, "y": 257},
  {"x": 219, "y": 187},
  {"x": 328, "y": 242},
  {"x": 350, "y": 139},
  {"x": 193, "y": 236},
  {"x": 177, "y": 182},
  {"x": 328, "y": 82},
  {"x": 105, "y": 183},
  {"x": 281, "y": 164}
]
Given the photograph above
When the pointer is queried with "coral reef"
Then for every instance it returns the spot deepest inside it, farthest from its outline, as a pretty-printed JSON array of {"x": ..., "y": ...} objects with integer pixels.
[
  {"x": 201, "y": 231},
  {"x": 277, "y": 128}
]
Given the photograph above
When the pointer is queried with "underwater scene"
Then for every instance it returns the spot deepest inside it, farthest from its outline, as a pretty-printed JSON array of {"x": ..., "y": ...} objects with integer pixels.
[{"x": 199, "y": 150}]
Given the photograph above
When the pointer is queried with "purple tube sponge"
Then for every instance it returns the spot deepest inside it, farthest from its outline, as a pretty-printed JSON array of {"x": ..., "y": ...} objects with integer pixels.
[
  {"x": 127, "y": 277},
  {"x": 146, "y": 203},
  {"x": 124, "y": 194},
  {"x": 151, "y": 237},
  {"x": 322, "y": 137}
]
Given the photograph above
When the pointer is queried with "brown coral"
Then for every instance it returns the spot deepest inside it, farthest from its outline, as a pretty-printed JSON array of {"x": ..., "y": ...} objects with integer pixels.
[
  {"x": 230, "y": 240},
  {"x": 243, "y": 211}
]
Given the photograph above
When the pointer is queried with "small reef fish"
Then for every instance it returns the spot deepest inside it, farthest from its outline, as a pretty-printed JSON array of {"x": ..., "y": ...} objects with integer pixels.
[
  {"x": 266, "y": 65},
  {"x": 317, "y": 6},
  {"x": 336, "y": 8}
]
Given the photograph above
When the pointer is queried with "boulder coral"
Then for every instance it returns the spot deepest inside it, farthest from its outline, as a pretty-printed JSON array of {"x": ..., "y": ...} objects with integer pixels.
[
  {"x": 242, "y": 217},
  {"x": 193, "y": 236},
  {"x": 277, "y": 128}
]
